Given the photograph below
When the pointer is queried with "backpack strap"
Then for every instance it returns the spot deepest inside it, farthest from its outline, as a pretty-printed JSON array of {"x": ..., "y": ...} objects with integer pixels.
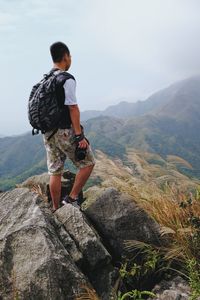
[
  {"x": 52, "y": 134},
  {"x": 46, "y": 76}
]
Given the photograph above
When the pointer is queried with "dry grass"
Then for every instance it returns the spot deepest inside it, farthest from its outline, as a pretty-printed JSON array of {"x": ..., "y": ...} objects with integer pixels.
[
  {"x": 38, "y": 190},
  {"x": 173, "y": 213},
  {"x": 174, "y": 221},
  {"x": 179, "y": 160},
  {"x": 164, "y": 207},
  {"x": 170, "y": 204},
  {"x": 88, "y": 294},
  {"x": 161, "y": 203}
]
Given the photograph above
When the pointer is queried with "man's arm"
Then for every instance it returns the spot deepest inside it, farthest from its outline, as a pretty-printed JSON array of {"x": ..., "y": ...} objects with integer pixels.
[
  {"x": 71, "y": 101},
  {"x": 75, "y": 118}
]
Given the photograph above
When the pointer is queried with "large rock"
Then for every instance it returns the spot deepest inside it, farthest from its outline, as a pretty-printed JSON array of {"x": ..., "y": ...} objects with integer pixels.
[
  {"x": 52, "y": 256},
  {"x": 34, "y": 261},
  {"x": 96, "y": 258},
  {"x": 87, "y": 240},
  {"x": 175, "y": 289},
  {"x": 118, "y": 218}
]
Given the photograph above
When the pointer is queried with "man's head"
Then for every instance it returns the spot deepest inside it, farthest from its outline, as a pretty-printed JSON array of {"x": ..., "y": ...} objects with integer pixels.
[{"x": 60, "y": 55}]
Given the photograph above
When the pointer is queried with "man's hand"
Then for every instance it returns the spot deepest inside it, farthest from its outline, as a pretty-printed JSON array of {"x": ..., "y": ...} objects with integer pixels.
[{"x": 83, "y": 144}]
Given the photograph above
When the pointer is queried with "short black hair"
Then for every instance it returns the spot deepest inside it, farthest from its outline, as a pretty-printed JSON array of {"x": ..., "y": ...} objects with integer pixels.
[{"x": 58, "y": 50}]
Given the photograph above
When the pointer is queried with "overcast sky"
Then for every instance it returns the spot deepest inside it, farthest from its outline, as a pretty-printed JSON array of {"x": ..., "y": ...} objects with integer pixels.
[{"x": 121, "y": 50}]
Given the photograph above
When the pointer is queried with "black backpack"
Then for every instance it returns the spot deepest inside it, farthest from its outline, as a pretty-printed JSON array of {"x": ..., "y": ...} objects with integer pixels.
[{"x": 44, "y": 109}]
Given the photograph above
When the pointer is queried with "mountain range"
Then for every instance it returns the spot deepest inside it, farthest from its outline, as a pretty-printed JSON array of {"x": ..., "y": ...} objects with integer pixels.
[
  {"x": 159, "y": 102},
  {"x": 167, "y": 123}
]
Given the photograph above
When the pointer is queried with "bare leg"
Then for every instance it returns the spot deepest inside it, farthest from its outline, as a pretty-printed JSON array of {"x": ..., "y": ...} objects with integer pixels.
[
  {"x": 55, "y": 190},
  {"x": 80, "y": 180}
]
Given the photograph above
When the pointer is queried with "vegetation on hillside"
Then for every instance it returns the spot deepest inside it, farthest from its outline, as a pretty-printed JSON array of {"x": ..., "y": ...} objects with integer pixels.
[{"x": 175, "y": 207}]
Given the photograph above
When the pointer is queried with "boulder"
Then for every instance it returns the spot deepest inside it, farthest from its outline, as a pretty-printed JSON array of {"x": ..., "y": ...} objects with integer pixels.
[
  {"x": 91, "y": 194},
  {"x": 85, "y": 237},
  {"x": 96, "y": 264},
  {"x": 175, "y": 289},
  {"x": 34, "y": 262},
  {"x": 118, "y": 218},
  {"x": 49, "y": 256},
  {"x": 45, "y": 255}
]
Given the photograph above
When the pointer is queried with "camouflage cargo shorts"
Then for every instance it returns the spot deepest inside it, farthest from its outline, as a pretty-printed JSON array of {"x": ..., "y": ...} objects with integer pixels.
[{"x": 61, "y": 146}]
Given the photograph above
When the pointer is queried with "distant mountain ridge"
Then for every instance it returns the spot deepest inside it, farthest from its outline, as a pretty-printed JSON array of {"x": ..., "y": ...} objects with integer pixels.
[
  {"x": 168, "y": 124},
  {"x": 157, "y": 103}
]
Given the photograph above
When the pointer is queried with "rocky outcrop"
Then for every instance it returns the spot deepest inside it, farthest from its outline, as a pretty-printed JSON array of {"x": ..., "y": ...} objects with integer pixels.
[
  {"x": 118, "y": 218},
  {"x": 96, "y": 259},
  {"x": 175, "y": 289},
  {"x": 48, "y": 256},
  {"x": 35, "y": 264},
  {"x": 53, "y": 256}
]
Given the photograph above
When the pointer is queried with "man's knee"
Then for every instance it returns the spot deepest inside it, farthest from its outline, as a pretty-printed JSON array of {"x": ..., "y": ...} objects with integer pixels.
[
  {"x": 55, "y": 176},
  {"x": 91, "y": 166},
  {"x": 87, "y": 168}
]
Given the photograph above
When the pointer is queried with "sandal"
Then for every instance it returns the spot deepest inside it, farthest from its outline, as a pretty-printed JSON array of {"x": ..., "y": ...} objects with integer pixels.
[{"x": 68, "y": 200}]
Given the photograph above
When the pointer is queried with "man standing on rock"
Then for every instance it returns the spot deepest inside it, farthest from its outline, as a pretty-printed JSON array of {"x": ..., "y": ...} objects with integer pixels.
[{"x": 69, "y": 136}]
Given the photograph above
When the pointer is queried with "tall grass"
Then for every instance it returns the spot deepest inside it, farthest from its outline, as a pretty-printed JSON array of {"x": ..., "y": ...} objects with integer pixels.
[
  {"x": 178, "y": 215},
  {"x": 179, "y": 218}
]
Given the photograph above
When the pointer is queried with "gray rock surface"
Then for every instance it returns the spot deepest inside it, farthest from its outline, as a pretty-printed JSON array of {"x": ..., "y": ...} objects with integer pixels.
[
  {"x": 175, "y": 289},
  {"x": 96, "y": 262},
  {"x": 34, "y": 263},
  {"x": 84, "y": 236},
  {"x": 46, "y": 256},
  {"x": 118, "y": 218}
]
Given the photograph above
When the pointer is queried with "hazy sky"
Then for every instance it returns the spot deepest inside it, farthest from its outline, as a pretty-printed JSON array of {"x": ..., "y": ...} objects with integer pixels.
[{"x": 121, "y": 50}]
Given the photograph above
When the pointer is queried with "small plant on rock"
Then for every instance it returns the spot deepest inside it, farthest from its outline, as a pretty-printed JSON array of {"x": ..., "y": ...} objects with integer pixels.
[
  {"x": 194, "y": 278},
  {"x": 136, "y": 295}
]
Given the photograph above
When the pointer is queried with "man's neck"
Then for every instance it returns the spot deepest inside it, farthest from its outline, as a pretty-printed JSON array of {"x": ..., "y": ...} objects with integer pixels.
[{"x": 59, "y": 66}]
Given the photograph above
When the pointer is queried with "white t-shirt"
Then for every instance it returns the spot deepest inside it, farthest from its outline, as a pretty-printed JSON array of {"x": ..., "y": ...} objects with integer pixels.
[{"x": 70, "y": 92}]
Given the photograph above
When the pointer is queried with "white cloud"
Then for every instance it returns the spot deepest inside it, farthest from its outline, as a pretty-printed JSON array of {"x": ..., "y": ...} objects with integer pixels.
[{"x": 7, "y": 21}]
